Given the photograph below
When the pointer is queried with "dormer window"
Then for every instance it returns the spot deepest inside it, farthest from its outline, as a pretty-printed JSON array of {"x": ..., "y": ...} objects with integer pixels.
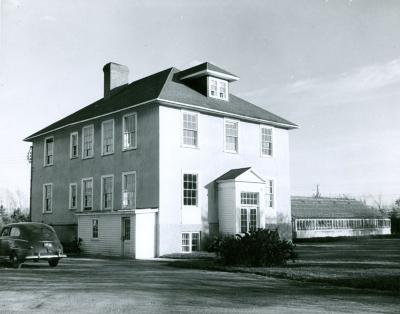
[{"x": 217, "y": 88}]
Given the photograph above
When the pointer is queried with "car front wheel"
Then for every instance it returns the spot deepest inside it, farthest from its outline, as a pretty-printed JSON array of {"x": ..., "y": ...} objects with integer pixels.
[
  {"x": 15, "y": 262},
  {"x": 53, "y": 262}
]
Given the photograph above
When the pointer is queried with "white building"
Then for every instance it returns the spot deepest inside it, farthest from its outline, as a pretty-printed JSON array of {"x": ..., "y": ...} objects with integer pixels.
[{"x": 159, "y": 164}]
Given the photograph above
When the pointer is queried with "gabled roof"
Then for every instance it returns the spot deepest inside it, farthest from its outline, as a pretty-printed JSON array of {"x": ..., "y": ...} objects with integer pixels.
[
  {"x": 323, "y": 207},
  {"x": 166, "y": 88},
  {"x": 232, "y": 174}
]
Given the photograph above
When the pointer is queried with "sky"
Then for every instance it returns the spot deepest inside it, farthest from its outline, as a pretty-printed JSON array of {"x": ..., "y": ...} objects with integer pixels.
[{"x": 332, "y": 67}]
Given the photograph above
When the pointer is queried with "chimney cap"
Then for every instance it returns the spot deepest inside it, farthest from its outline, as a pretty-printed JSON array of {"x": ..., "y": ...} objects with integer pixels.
[{"x": 120, "y": 67}]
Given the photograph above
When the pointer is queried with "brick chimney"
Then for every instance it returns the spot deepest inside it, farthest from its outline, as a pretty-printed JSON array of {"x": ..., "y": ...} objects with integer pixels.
[{"x": 115, "y": 76}]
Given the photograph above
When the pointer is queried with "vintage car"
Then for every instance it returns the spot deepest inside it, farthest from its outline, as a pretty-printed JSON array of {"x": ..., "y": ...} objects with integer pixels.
[{"x": 30, "y": 241}]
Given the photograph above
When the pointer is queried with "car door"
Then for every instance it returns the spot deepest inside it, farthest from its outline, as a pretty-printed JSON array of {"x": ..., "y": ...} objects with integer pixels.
[{"x": 5, "y": 242}]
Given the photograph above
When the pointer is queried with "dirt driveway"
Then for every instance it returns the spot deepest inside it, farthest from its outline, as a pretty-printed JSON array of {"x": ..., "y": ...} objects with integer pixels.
[{"x": 126, "y": 286}]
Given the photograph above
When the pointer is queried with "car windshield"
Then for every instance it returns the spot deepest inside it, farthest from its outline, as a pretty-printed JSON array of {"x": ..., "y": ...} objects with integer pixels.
[{"x": 39, "y": 233}]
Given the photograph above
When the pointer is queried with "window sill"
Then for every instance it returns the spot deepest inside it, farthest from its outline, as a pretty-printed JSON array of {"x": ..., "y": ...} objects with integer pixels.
[
  {"x": 189, "y": 146},
  {"x": 231, "y": 152},
  {"x": 89, "y": 157},
  {"x": 267, "y": 156},
  {"x": 94, "y": 239},
  {"x": 73, "y": 157},
  {"x": 50, "y": 212},
  {"x": 128, "y": 149},
  {"x": 73, "y": 208},
  {"x": 48, "y": 165},
  {"x": 107, "y": 154}
]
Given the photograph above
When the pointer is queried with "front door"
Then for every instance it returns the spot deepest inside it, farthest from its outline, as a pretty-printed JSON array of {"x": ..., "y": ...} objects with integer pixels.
[{"x": 126, "y": 244}]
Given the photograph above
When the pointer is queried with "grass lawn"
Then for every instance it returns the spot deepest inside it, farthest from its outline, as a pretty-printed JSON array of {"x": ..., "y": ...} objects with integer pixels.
[{"x": 360, "y": 263}]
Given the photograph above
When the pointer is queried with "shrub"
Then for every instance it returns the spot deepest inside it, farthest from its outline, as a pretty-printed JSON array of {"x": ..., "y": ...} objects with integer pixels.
[{"x": 262, "y": 247}]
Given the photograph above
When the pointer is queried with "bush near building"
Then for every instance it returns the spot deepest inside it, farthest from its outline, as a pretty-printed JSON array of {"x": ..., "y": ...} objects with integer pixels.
[{"x": 262, "y": 247}]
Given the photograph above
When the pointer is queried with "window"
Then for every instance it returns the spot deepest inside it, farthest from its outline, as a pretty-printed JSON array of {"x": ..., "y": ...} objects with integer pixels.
[
  {"x": 126, "y": 228},
  {"x": 15, "y": 232},
  {"x": 129, "y": 131},
  {"x": 73, "y": 196},
  {"x": 107, "y": 137},
  {"x": 266, "y": 141},
  {"x": 107, "y": 191},
  {"x": 249, "y": 198},
  {"x": 231, "y": 136},
  {"x": 87, "y": 141},
  {"x": 189, "y": 189},
  {"x": 73, "y": 146},
  {"x": 190, "y": 129},
  {"x": 243, "y": 220},
  {"x": 47, "y": 198},
  {"x": 95, "y": 228},
  {"x": 48, "y": 151},
  {"x": 217, "y": 88},
  {"x": 87, "y": 194},
  {"x": 129, "y": 189},
  {"x": 269, "y": 196},
  {"x": 190, "y": 242},
  {"x": 248, "y": 211}
]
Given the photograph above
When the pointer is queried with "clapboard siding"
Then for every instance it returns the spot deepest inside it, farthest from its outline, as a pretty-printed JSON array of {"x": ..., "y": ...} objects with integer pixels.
[
  {"x": 109, "y": 240},
  {"x": 226, "y": 206}
]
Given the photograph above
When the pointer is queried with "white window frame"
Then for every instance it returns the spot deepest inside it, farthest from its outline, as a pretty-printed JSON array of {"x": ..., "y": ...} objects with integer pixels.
[
  {"x": 83, "y": 141},
  {"x": 44, "y": 199},
  {"x": 228, "y": 120},
  {"x": 92, "y": 229},
  {"x": 273, "y": 192},
  {"x": 219, "y": 82},
  {"x": 102, "y": 190},
  {"x": 272, "y": 141},
  {"x": 190, "y": 241},
  {"x": 183, "y": 189},
  {"x": 122, "y": 189},
  {"x": 45, "y": 164},
  {"x": 70, "y": 196},
  {"x": 71, "y": 156},
  {"x": 123, "y": 131},
  {"x": 197, "y": 129},
  {"x": 82, "y": 195},
  {"x": 103, "y": 153},
  {"x": 247, "y": 208}
]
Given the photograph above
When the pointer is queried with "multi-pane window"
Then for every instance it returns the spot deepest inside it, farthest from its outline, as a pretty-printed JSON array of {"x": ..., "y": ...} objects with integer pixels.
[
  {"x": 129, "y": 190},
  {"x": 248, "y": 212},
  {"x": 190, "y": 241},
  {"x": 107, "y": 137},
  {"x": 48, "y": 151},
  {"x": 87, "y": 194},
  {"x": 73, "y": 147},
  {"x": 129, "y": 131},
  {"x": 47, "y": 197},
  {"x": 190, "y": 189},
  {"x": 269, "y": 196},
  {"x": 231, "y": 135},
  {"x": 266, "y": 141},
  {"x": 190, "y": 129},
  {"x": 218, "y": 88},
  {"x": 73, "y": 195},
  {"x": 107, "y": 186},
  {"x": 249, "y": 198},
  {"x": 87, "y": 141},
  {"x": 253, "y": 219},
  {"x": 243, "y": 220},
  {"x": 126, "y": 228},
  {"x": 95, "y": 228}
]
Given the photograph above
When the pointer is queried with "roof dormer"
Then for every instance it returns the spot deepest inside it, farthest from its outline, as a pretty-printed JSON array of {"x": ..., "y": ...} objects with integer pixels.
[{"x": 209, "y": 80}]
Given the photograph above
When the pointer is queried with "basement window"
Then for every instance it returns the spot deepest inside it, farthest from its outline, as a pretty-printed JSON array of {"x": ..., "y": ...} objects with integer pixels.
[{"x": 190, "y": 242}]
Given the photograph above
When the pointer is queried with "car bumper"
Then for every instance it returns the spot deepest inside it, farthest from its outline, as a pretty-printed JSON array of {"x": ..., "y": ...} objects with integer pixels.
[{"x": 44, "y": 257}]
